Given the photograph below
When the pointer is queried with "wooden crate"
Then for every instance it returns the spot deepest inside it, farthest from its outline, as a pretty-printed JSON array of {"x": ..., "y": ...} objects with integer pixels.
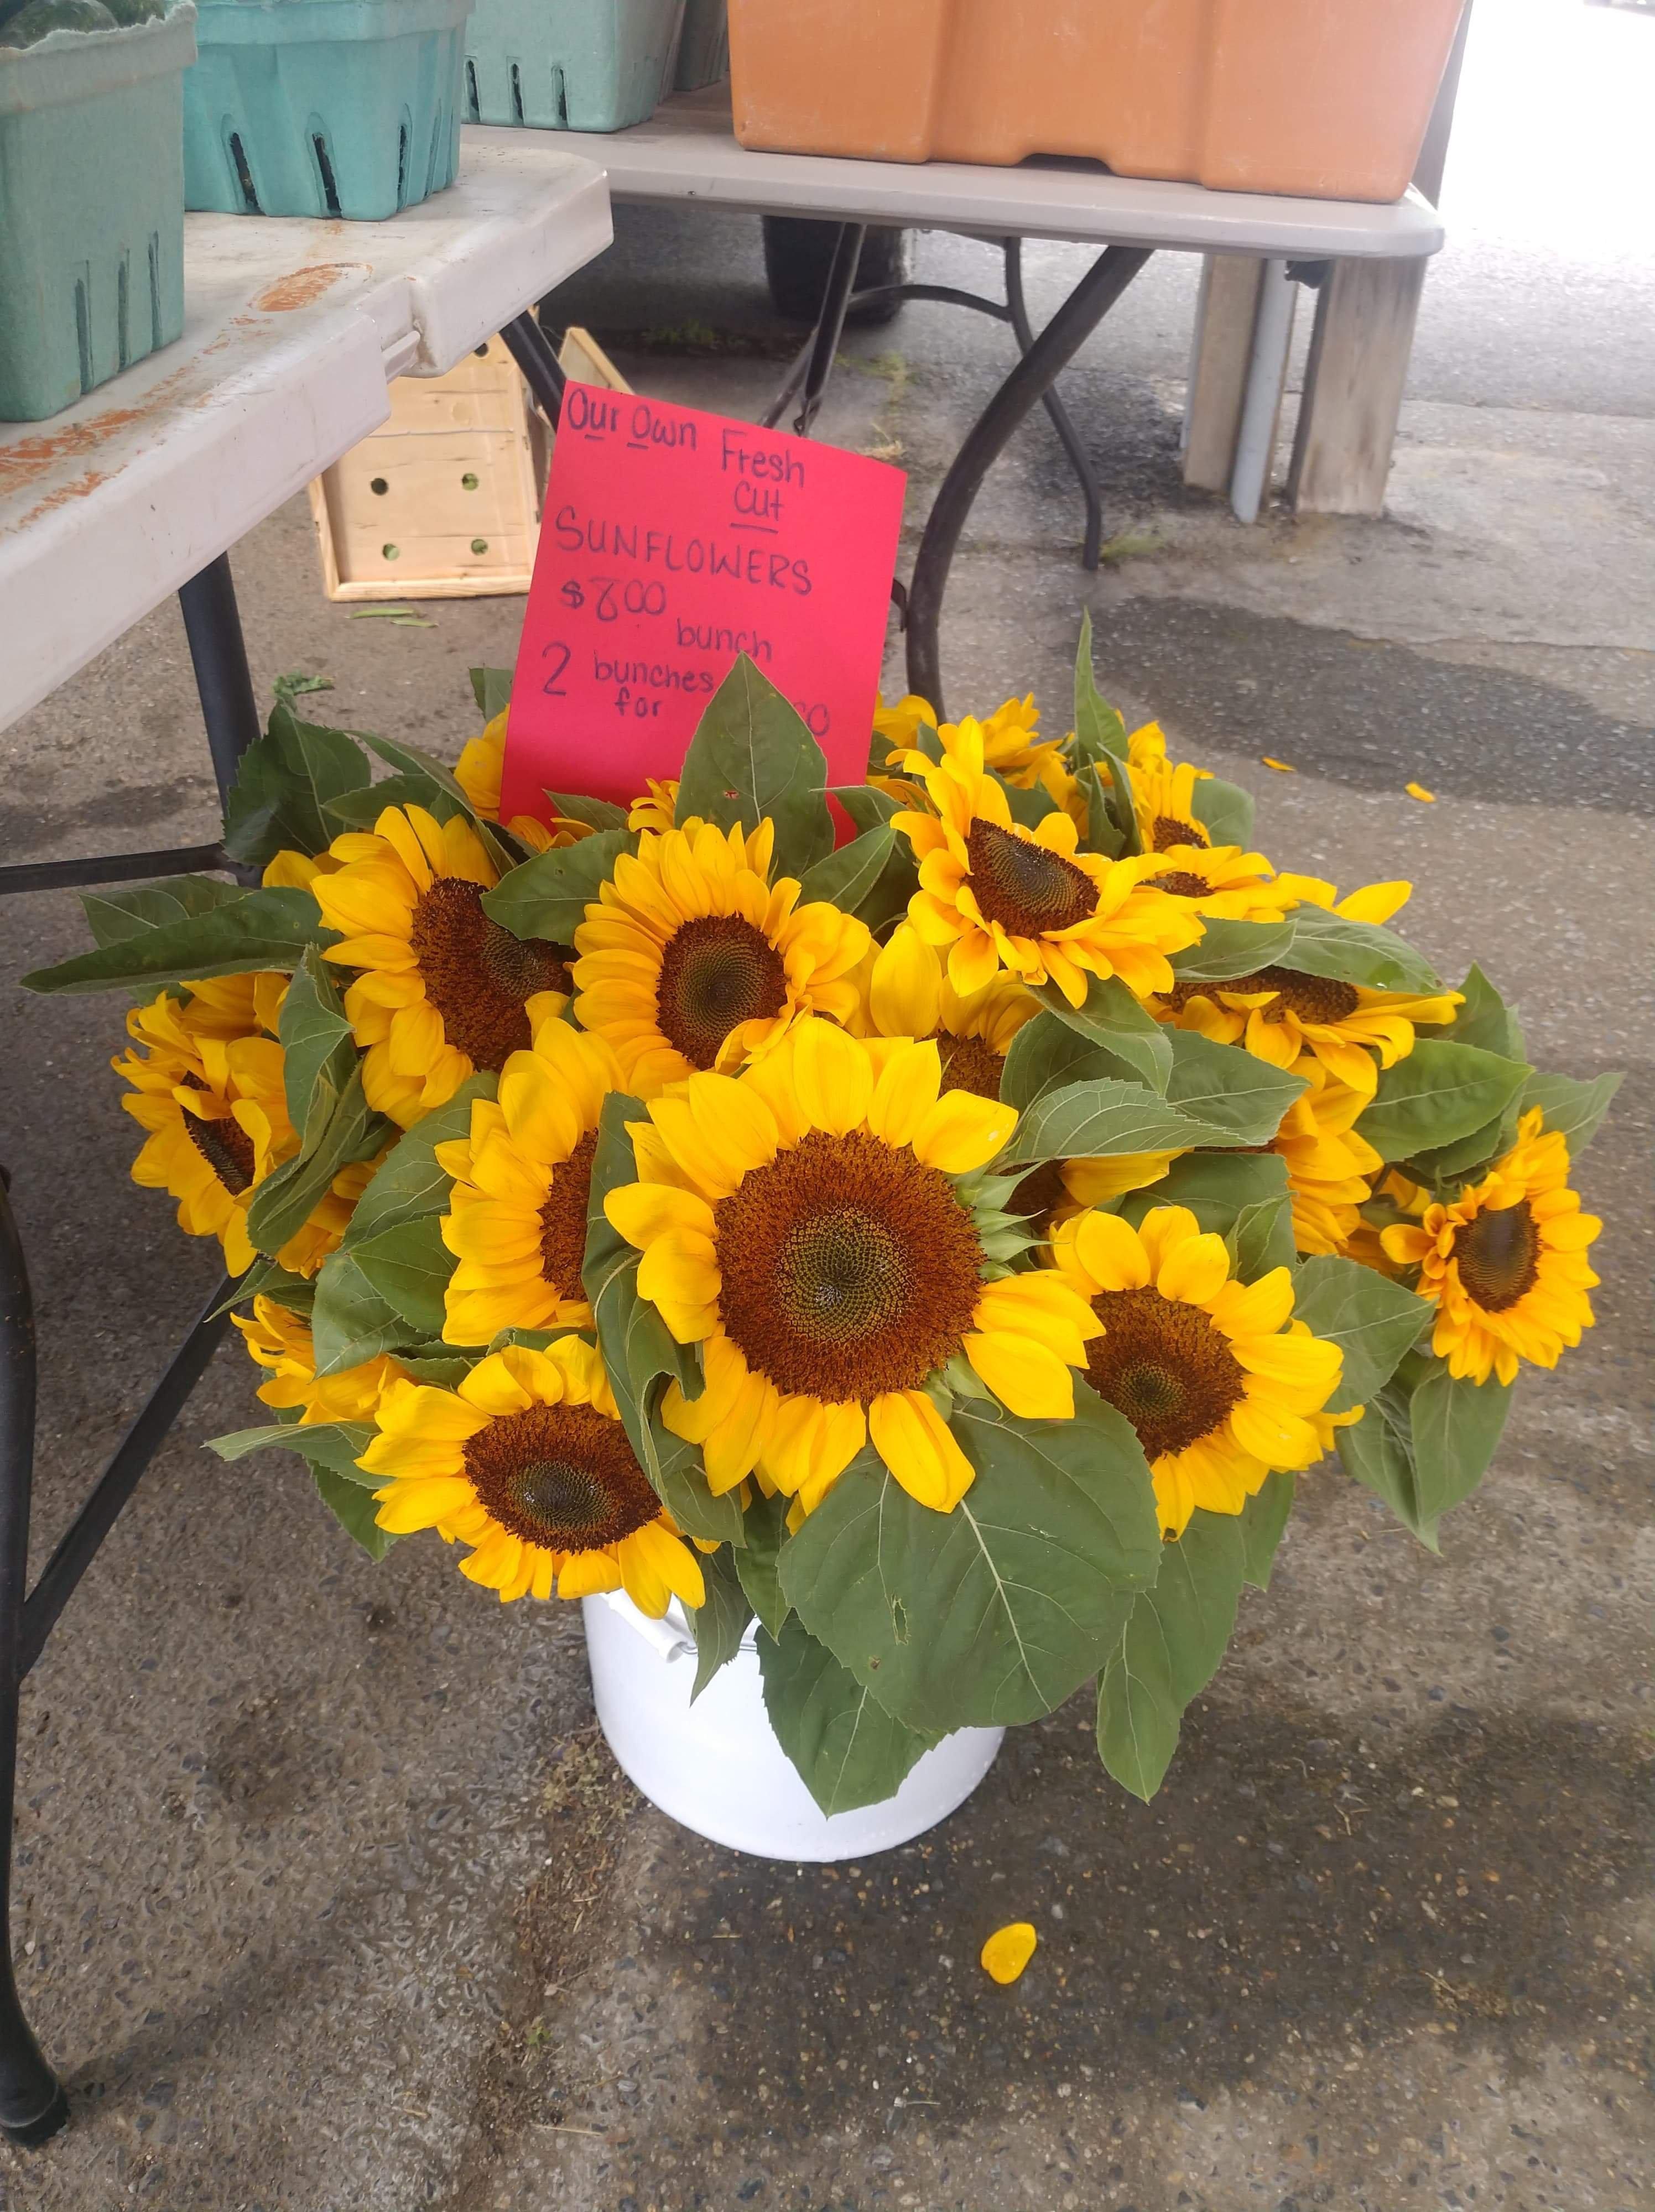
[{"x": 444, "y": 503}]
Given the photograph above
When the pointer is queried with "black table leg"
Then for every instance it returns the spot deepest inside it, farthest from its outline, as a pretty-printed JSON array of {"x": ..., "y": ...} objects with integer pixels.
[
  {"x": 529, "y": 347},
  {"x": 32, "y": 2106},
  {"x": 1032, "y": 378},
  {"x": 212, "y": 623},
  {"x": 815, "y": 364},
  {"x": 1061, "y": 421}
]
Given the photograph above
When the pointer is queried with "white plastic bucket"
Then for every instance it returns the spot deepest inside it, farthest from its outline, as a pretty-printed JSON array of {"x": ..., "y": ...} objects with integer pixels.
[{"x": 715, "y": 1765}]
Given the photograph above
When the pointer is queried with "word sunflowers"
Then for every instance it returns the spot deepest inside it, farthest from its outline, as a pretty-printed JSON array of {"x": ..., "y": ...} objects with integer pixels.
[{"x": 948, "y": 1246}]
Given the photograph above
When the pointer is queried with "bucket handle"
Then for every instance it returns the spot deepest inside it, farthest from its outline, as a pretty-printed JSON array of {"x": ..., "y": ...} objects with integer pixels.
[{"x": 669, "y": 1637}]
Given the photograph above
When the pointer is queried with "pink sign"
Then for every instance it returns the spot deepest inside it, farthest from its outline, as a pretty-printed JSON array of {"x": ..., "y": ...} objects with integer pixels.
[{"x": 671, "y": 541}]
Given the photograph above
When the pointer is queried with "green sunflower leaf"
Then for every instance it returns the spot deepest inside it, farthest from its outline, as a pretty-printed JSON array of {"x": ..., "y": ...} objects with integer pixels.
[
  {"x": 492, "y": 689},
  {"x": 269, "y": 1278},
  {"x": 766, "y": 1523},
  {"x": 1100, "y": 741},
  {"x": 1112, "y": 1016},
  {"x": 1225, "y": 1085},
  {"x": 429, "y": 775},
  {"x": 1233, "y": 949},
  {"x": 1379, "y": 1453},
  {"x": 873, "y": 877},
  {"x": 1046, "y": 1055},
  {"x": 1029, "y": 807},
  {"x": 598, "y": 814},
  {"x": 283, "y": 784},
  {"x": 1098, "y": 1120},
  {"x": 1361, "y": 952},
  {"x": 718, "y": 1625},
  {"x": 867, "y": 807},
  {"x": 317, "y": 1049},
  {"x": 752, "y": 755},
  {"x": 349, "y": 1321},
  {"x": 408, "y": 1268},
  {"x": 248, "y": 930},
  {"x": 1263, "y": 1523},
  {"x": 409, "y": 1183},
  {"x": 1437, "y": 1095},
  {"x": 547, "y": 897},
  {"x": 362, "y": 809},
  {"x": 640, "y": 1352},
  {"x": 113, "y": 915},
  {"x": 1170, "y": 1648},
  {"x": 1373, "y": 1321},
  {"x": 847, "y": 1749},
  {"x": 1483, "y": 1019},
  {"x": 1457, "y": 1428},
  {"x": 1103, "y": 833},
  {"x": 997, "y": 1611},
  {"x": 353, "y": 1508},
  {"x": 1224, "y": 811},
  {"x": 1242, "y": 1196},
  {"x": 1576, "y": 1109},
  {"x": 337, "y": 1445},
  {"x": 341, "y": 1129}
]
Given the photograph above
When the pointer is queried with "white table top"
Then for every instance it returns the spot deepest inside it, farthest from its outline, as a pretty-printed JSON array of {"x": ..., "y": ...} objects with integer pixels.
[
  {"x": 688, "y": 151},
  {"x": 292, "y": 329}
]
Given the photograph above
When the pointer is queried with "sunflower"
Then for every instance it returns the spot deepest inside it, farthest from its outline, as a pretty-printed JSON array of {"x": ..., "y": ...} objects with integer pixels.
[
  {"x": 1282, "y": 1016},
  {"x": 293, "y": 871},
  {"x": 1221, "y": 882},
  {"x": 1506, "y": 1264},
  {"x": 527, "y": 1462},
  {"x": 517, "y": 1217},
  {"x": 1000, "y": 896},
  {"x": 1163, "y": 794},
  {"x": 1221, "y": 1382},
  {"x": 443, "y": 990},
  {"x": 908, "y": 994},
  {"x": 657, "y": 807},
  {"x": 478, "y": 772},
  {"x": 280, "y": 1341},
  {"x": 1329, "y": 1166},
  {"x": 692, "y": 958},
  {"x": 207, "y": 1086},
  {"x": 806, "y": 1223}
]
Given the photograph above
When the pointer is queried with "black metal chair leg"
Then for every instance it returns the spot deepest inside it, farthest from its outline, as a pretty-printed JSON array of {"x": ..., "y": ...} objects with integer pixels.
[
  {"x": 1061, "y": 421},
  {"x": 1033, "y": 377},
  {"x": 33, "y": 2106}
]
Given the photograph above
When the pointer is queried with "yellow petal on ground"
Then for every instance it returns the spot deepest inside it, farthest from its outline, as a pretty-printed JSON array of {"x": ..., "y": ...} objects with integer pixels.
[
  {"x": 906, "y": 1091},
  {"x": 1111, "y": 1252},
  {"x": 963, "y": 1131},
  {"x": 1281, "y": 767},
  {"x": 1418, "y": 791},
  {"x": 917, "y": 1445},
  {"x": 832, "y": 1075},
  {"x": 1008, "y": 1950},
  {"x": 1028, "y": 1377}
]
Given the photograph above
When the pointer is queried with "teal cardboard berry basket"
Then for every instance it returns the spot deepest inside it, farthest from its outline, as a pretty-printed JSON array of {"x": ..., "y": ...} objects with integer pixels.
[
  {"x": 569, "y": 64},
  {"x": 91, "y": 208},
  {"x": 319, "y": 107}
]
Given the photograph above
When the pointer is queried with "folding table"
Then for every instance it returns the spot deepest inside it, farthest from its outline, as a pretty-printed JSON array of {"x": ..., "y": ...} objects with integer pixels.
[
  {"x": 293, "y": 332},
  {"x": 687, "y": 153}
]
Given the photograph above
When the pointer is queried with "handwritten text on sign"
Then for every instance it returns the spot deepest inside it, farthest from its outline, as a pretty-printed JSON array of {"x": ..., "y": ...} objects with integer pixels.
[{"x": 671, "y": 542}]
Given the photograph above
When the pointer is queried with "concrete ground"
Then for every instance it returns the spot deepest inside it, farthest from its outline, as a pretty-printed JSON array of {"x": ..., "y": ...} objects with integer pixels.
[{"x": 328, "y": 1894}]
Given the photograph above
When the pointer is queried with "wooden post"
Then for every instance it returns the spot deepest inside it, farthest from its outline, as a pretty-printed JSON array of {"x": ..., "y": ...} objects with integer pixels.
[{"x": 1218, "y": 379}]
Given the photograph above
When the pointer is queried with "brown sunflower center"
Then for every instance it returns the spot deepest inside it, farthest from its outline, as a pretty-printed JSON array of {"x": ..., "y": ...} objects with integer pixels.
[
  {"x": 716, "y": 972},
  {"x": 227, "y": 1150},
  {"x": 478, "y": 975},
  {"x": 1164, "y": 1366},
  {"x": 1320, "y": 999},
  {"x": 1181, "y": 883},
  {"x": 849, "y": 1269},
  {"x": 968, "y": 1064},
  {"x": 561, "y": 1476},
  {"x": 1498, "y": 1256},
  {"x": 1166, "y": 831},
  {"x": 1038, "y": 1196},
  {"x": 1029, "y": 892},
  {"x": 564, "y": 1218}
]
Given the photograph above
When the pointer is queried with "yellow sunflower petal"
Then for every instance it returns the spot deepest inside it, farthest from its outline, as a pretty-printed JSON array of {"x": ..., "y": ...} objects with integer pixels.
[{"x": 917, "y": 1445}]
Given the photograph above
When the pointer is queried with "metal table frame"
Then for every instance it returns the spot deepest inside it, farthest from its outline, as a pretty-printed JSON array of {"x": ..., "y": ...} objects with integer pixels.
[{"x": 32, "y": 2103}]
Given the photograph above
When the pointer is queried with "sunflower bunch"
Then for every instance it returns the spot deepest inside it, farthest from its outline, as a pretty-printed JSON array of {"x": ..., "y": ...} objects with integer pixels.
[{"x": 935, "y": 1250}]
